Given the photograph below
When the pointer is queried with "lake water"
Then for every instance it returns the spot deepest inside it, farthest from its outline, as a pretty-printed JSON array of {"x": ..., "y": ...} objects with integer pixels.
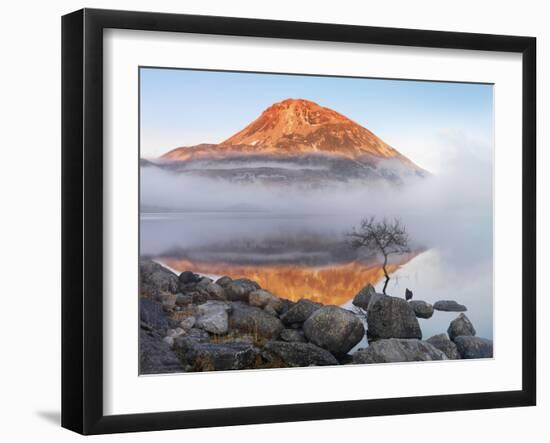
[{"x": 306, "y": 256}]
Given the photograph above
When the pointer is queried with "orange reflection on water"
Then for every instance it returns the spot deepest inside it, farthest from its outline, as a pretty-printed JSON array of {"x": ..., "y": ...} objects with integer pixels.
[{"x": 334, "y": 284}]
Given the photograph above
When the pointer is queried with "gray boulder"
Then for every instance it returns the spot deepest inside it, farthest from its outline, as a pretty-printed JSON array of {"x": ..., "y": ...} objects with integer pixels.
[
  {"x": 260, "y": 298},
  {"x": 194, "y": 336},
  {"x": 271, "y": 310},
  {"x": 155, "y": 356},
  {"x": 421, "y": 308},
  {"x": 449, "y": 306},
  {"x": 188, "y": 277},
  {"x": 442, "y": 342},
  {"x": 169, "y": 341},
  {"x": 287, "y": 304},
  {"x": 213, "y": 318},
  {"x": 298, "y": 354},
  {"x": 188, "y": 322},
  {"x": 398, "y": 350},
  {"x": 253, "y": 320},
  {"x": 461, "y": 326},
  {"x": 392, "y": 317},
  {"x": 300, "y": 311},
  {"x": 474, "y": 347},
  {"x": 292, "y": 335},
  {"x": 183, "y": 299},
  {"x": 213, "y": 305},
  {"x": 224, "y": 281},
  {"x": 155, "y": 279},
  {"x": 335, "y": 329},
  {"x": 152, "y": 314},
  {"x": 221, "y": 357},
  {"x": 364, "y": 296},
  {"x": 240, "y": 289},
  {"x": 204, "y": 282},
  {"x": 265, "y": 299},
  {"x": 215, "y": 291}
]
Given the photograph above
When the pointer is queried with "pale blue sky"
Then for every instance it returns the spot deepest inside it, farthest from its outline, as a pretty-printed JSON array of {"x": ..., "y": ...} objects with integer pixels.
[{"x": 186, "y": 107}]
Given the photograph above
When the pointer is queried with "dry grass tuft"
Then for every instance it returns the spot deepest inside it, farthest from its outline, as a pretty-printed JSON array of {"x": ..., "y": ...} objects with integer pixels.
[
  {"x": 202, "y": 364},
  {"x": 188, "y": 311}
]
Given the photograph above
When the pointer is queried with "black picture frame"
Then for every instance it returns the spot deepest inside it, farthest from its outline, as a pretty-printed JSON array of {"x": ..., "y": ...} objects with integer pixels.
[{"x": 82, "y": 219}]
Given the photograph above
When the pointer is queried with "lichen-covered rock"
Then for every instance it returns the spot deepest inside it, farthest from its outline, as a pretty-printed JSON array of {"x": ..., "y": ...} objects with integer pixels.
[
  {"x": 474, "y": 347},
  {"x": 187, "y": 323},
  {"x": 422, "y": 309},
  {"x": 292, "y": 335},
  {"x": 449, "y": 306},
  {"x": 153, "y": 315},
  {"x": 364, "y": 296},
  {"x": 240, "y": 289},
  {"x": 392, "y": 317},
  {"x": 224, "y": 281},
  {"x": 335, "y": 329},
  {"x": 221, "y": 356},
  {"x": 204, "y": 282},
  {"x": 271, "y": 310},
  {"x": 187, "y": 341},
  {"x": 265, "y": 299},
  {"x": 300, "y": 311},
  {"x": 215, "y": 291},
  {"x": 298, "y": 354},
  {"x": 253, "y": 320},
  {"x": 212, "y": 316},
  {"x": 395, "y": 350},
  {"x": 461, "y": 326},
  {"x": 175, "y": 332},
  {"x": 443, "y": 343},
  {"x": 287, "y": 304},
  {"x": 213, "y": 305},
  {"x": 155, "y": 355},
  {"x": 155, "y": 279}
]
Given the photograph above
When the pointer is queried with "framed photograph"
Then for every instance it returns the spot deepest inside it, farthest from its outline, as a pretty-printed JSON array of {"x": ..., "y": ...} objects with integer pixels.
[{"x": 269, "y": 221}]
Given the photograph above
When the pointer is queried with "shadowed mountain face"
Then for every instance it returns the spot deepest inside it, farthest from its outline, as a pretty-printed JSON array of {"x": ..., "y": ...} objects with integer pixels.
[{"x": 295, "y": 141}]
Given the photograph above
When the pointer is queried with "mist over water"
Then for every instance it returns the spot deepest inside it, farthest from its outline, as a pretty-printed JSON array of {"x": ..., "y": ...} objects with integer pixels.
[{"x": 224, "y": 226}]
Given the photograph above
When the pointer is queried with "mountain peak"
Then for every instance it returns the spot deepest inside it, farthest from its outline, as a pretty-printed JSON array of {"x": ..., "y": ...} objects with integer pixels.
[
  {"x": 288, "y": 118},
  {"x": 296, "y": 127},
  {"x": 302, "y": 108}
]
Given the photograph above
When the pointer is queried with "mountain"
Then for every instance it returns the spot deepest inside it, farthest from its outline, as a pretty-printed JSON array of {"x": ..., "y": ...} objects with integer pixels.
[{"x": 296, "y": 140}]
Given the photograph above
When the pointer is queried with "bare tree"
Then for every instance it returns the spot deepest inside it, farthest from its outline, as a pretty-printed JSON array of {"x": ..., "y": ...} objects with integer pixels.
[{"x": 386, "y": 237}]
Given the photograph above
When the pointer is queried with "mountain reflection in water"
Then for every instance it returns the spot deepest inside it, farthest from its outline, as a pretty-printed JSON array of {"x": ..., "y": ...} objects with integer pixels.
[
  {"x": 307, "y": 257},
  {"x": 335, "y": 284}
]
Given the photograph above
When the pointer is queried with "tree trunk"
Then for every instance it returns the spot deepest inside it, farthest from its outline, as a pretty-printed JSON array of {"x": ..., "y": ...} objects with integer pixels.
[{"x": 386, "y": 274}]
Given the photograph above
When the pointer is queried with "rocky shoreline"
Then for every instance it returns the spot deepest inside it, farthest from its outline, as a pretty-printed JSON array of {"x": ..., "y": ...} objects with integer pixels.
[{"x": 190, "y": 323}]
